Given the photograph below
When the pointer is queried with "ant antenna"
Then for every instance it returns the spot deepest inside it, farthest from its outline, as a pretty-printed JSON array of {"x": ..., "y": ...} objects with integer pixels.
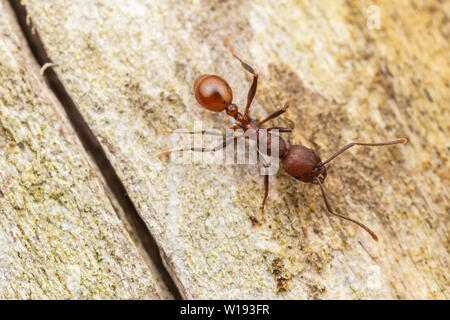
[
  {"x": 398, "y": 141},
  {"x": 372, "y": 234}
]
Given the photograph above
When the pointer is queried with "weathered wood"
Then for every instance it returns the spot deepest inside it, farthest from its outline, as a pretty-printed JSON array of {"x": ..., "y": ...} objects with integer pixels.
[
  {"x": 60, "y": 236},
  {"x": 129, "y": 66}
]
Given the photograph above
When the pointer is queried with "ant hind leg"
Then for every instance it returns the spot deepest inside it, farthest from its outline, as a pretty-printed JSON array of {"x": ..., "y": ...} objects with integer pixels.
[{"x": 252, "y": 91}]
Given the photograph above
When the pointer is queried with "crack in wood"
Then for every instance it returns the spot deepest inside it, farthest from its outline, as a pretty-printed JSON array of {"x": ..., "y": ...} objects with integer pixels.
[{"x": 139, "y": 232}]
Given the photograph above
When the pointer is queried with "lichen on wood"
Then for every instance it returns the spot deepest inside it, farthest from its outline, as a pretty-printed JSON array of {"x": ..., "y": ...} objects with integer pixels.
[
  {"x": 129, "y": 67},
  {"x": 60, "y": 236}
]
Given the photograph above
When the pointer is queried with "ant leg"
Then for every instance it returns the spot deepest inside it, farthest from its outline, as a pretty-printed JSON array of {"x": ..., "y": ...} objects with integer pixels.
[
  {"x": 237, "y": 126},
  {"x": 266, "y": 193},
  {"x": 345, "y": 148},
  {"x": 252, "y": 90},
  {"x": 275, "y": 114},
  {"x": 216, "y": 148},
  {"x": 322, "y": 189},
  {"x": 266, "y": 186},
  {"x": 281, "y": 129},
  {"x": 203, "y": 132}
]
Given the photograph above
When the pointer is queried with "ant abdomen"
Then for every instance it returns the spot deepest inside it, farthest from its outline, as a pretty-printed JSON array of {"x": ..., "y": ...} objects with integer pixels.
[{"x": 212, "y": 92}]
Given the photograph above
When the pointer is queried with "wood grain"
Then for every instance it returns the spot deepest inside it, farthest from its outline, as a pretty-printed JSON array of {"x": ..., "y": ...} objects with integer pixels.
[
  {"x": 129, "y": 68},
  {"x": 60, "y": 235}
]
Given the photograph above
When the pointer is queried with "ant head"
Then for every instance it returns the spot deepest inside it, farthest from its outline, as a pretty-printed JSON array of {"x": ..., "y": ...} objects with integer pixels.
[
  {"x": 212, "y": 92},
  {"x": 304, "y": 165}
]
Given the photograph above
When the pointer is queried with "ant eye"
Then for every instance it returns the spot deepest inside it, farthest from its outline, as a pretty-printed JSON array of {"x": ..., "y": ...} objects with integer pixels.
[{"x": 297, "y": 176}]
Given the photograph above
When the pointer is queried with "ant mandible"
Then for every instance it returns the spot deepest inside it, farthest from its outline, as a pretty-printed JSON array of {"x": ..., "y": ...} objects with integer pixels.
[{"x": 213, "y": 93}]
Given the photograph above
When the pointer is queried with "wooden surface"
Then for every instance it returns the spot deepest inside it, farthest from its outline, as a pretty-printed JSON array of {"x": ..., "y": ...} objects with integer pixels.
[
  {"x": 129, "y": 67},
  {"x": 60, "y": 236}
]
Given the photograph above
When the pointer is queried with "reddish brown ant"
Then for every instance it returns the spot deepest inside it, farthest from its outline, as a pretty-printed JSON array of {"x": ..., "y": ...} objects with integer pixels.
[{"x": 213, "y": 93}]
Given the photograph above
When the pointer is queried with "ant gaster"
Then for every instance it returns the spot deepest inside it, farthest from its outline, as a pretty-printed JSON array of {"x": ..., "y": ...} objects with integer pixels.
[{"x": 213, "y": 93}]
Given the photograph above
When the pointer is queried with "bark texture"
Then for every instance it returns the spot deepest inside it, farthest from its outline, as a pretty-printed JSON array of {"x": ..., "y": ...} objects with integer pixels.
[
  {"x": 129, "y": 66},
  {"x": 60, "y": 236}
]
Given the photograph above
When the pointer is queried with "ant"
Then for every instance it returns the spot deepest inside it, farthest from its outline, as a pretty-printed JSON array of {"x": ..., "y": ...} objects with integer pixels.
[{"x": 213, "y": 93}]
